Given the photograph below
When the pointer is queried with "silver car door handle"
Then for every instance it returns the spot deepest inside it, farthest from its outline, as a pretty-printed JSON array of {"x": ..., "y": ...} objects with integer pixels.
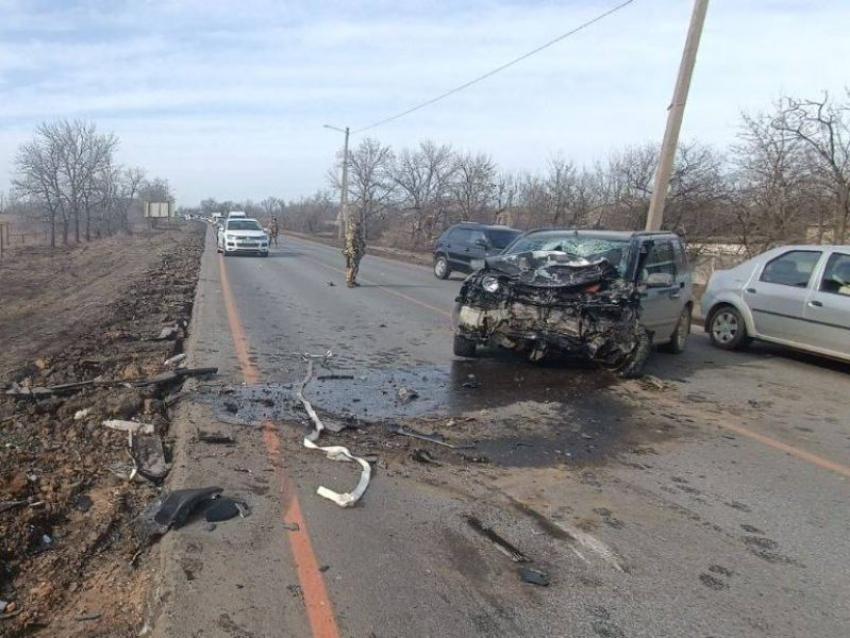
[{"x": 816, "y": 304}]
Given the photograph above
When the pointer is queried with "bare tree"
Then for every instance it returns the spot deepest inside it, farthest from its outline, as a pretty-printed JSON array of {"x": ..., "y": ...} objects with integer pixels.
[
  {"x": 822, "y": 128},
  {"x": 473, "y": 188},
  {"x": 370, "y": 183},
  {"x": 423, "y": 177}
]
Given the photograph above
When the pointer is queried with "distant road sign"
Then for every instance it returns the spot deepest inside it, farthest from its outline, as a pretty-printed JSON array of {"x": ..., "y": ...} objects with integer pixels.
[{"x": 157, "y": 210}]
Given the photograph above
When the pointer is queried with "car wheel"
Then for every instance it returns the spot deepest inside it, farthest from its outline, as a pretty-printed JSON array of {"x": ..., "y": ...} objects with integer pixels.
[
  {"x": 677, "y": 342},
  {"x": 441, "y": 268},
  {"x": 727, "y": 328},
  {"x": 633, "y": 366},
  {"x": 464, "y": 347}
]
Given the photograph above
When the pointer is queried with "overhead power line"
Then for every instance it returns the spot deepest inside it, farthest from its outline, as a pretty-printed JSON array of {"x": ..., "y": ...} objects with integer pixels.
[{"x": 493, "y": 72}]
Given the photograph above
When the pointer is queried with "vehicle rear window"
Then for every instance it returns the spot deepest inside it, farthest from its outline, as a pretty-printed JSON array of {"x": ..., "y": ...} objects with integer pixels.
[
  {"x": 793, "y": 268},
  {"x": 243, "y": 224},
  {"x": 501, "y": 238}
]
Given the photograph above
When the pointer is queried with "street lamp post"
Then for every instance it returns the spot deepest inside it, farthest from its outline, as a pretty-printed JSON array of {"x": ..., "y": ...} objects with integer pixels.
[{"x": 342, "y": 218}]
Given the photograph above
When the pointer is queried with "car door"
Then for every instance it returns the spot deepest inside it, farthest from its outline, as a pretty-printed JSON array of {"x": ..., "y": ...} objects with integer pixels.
[
  {"x": 457, "y": 244},
  {"x": 661, "y": 304},
  {"x": 827, "y": 311},
  {"x": 778, "y": 292},
  {"x": 476, "y": 251}
]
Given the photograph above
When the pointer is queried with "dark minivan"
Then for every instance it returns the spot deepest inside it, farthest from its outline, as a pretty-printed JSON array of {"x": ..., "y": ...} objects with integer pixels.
[{"x": 463, "y": 244}]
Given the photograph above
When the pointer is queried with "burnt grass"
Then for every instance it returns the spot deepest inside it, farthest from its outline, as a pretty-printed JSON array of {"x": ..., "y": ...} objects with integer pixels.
[{"x": 65, "y": 517}]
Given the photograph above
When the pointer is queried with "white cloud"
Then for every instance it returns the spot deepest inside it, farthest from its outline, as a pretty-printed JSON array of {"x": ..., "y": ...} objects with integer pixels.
[{"x": 227, "y": 99}]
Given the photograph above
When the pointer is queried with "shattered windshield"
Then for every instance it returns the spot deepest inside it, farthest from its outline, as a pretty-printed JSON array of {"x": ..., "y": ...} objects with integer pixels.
[
  {"x": 243, "y": 224},
  {"x": 582, "y": 246}
]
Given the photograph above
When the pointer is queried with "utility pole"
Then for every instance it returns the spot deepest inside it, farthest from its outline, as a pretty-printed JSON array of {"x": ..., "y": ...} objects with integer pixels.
[
  {"x": 342, "y": 217},
  {"x": 674, "y": 118}
]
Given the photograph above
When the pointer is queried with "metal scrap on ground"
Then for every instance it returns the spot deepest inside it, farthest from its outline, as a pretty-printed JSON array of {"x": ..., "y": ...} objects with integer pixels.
[
  {"x": 333, "y": 452},
  {"x": 394, "y": 428}
]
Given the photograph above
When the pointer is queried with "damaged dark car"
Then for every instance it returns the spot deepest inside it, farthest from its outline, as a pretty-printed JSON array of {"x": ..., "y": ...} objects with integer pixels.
[{"x": 607, "y": 296}]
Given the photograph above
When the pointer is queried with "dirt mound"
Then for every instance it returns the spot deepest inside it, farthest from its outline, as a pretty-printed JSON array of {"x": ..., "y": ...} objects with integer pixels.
[{"x": 67, "y": 552}]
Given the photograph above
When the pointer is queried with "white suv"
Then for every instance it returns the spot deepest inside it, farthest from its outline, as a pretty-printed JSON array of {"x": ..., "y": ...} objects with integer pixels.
[{"x": 243, "y": 235}]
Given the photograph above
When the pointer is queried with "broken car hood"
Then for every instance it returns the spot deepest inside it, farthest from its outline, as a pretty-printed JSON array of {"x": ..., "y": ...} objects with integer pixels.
[{"x": 552, "y": 269}]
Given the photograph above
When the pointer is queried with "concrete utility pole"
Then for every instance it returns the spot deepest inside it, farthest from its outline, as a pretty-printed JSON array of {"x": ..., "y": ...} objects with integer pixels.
[
  {"x": 342, "y": 218},
  {"x": 674, "y": 118}
]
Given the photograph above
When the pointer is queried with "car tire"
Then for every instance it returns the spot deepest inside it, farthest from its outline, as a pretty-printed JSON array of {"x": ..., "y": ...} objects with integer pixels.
[
  {"x": 265, "y": 254},
  {"x": 679, "y": 339},
  {"x": 464, "y": 347},
  {"x": 634, "y": 365},
  {"x": 441, "y": 268},
  {"x": 727, "y": 328}
]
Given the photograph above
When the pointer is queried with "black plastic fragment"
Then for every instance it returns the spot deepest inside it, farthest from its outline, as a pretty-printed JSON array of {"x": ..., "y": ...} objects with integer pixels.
[
  {"x": 533, "y": 576},
  {"x": 177, "y": 506},
  {"x": 222, "y": 509}
]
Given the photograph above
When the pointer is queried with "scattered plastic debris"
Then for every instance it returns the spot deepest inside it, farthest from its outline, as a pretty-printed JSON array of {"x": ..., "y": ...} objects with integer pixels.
[
  {"x": 394, "y": 428},
  {"x": 133, "y": 427},
  {"x": 168, "y": 333},
  {"x": 424, "y": 456},
  {"x": 176, "y": 359},
  {"x": 149, "y": 457},
  {"x": 533, "y": 576},
  {"x": 406, "y": 395},
  {"x": 471, "y": 382},
  {"x": 333, "y": 452},
  {"x": 221, "y": 509},
  {"x": 170, "y": 511},
  {"x": 215, "y": 438},
  {"x": 292, "y": 527},
  {"x": 500, "y": 543}
]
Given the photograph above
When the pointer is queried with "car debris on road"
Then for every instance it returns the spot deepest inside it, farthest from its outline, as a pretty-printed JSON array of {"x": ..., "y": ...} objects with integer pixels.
[{"x": 333, "y": 452}]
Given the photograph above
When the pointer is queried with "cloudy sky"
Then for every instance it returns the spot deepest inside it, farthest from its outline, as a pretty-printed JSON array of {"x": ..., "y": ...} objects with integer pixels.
[{"x": 227, "y": 99}]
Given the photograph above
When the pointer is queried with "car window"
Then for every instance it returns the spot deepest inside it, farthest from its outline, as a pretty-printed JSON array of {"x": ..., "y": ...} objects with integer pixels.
[
  {"x": 661, "y": 259},
  {"x": 460, "y": 236},
  {"x": 836, "y": 276},
  {"x": 501, "y": 238},
  {"x": 681, "y": 260},
  {"x": 243, "y": 224},
  {"x": 793, "y": 268}
]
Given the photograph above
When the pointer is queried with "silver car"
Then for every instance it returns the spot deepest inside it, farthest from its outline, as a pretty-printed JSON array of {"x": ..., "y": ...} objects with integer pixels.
[{"x": 796, "y": 296}]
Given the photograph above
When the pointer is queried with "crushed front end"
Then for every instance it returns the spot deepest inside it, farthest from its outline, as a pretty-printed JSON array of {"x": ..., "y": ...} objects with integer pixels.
[{"x": 542, "y": 302}]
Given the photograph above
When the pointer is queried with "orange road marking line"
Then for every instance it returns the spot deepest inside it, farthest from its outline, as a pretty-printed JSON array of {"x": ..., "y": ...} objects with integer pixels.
[
  {"x": 318, "y": 604},
  {"x": 814, "y": 459}
]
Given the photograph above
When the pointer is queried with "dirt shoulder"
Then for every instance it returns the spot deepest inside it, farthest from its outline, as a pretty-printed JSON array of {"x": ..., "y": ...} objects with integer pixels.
[
  {"x": 49, "y": 297},
  {"x": 70, "y": 564}
]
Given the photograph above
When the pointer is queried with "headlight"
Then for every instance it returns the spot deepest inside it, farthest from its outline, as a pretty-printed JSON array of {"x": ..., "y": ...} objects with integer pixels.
[{"x": 490, "y": 284}]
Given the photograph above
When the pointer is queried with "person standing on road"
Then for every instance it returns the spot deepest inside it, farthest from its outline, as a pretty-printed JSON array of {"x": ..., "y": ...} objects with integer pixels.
[
  {"x": 355, "y": 248},
  {"x": 273, "y": 231}
]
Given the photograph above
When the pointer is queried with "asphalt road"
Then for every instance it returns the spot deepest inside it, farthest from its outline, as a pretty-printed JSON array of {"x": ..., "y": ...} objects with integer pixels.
[{"x": 708, "y": 501}]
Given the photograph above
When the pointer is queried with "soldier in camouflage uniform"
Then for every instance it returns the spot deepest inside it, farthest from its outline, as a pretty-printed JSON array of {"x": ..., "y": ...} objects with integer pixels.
[{"x": 355, "y": 248}]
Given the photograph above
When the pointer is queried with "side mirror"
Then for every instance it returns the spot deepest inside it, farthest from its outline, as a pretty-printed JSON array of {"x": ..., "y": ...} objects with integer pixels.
[
  {"x": 481, "y": 242},
  {"x": 659, "y": 280}
]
